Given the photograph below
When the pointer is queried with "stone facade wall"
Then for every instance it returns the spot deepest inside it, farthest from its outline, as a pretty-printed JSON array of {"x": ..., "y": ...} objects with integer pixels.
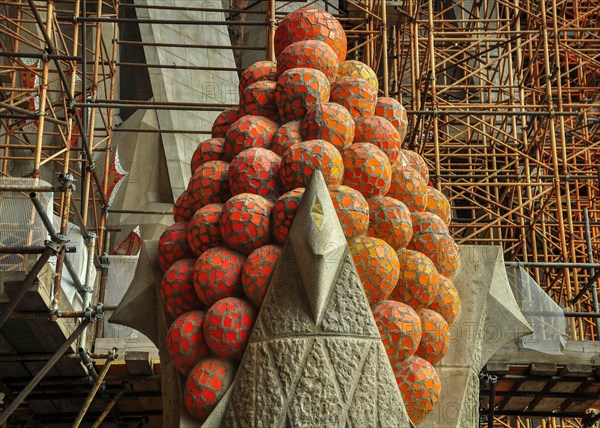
[{"x": 187, "y": 86}]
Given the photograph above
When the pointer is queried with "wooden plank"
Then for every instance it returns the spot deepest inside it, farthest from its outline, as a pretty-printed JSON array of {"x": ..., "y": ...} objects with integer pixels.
[
  {"x": 520, "y": 403},
  {"x": 138, "y": 363},
  {"x": 575, "y": 352}
]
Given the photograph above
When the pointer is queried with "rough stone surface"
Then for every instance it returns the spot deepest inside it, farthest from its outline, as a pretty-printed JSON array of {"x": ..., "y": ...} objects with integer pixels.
[
  {"x": 489, "y": 318},
  {"x": 310, "y": 368}
]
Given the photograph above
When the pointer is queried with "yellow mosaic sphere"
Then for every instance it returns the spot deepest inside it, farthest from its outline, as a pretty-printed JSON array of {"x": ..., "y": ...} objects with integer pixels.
[
  {"x": 354, "y": 68},
  {"x": 377, "y": 266}
]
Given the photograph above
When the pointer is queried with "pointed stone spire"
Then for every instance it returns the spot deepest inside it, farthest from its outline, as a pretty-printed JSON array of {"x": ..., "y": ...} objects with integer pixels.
[
  {"x": 318, "y": 242},
  {"x": 315, "y": 357}
]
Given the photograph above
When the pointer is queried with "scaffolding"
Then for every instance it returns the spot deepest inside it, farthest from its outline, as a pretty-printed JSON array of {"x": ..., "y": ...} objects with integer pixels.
[{"x": 503, "y": 99}]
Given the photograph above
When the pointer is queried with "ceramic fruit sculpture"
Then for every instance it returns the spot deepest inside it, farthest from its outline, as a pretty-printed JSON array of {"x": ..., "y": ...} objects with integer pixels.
[{"x": 310, "y": 110}]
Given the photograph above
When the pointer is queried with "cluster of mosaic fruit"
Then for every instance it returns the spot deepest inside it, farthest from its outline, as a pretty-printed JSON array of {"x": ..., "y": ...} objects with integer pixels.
[{"x": 310, "y": 110}]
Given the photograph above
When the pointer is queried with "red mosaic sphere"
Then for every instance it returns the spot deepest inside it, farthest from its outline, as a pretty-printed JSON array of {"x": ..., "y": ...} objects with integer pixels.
[
  {"x": 424, "y": 221},
  {"x": 355, "y": 94},
  {"x": 218, "y": 274},
  {"x": 435, "y": 337},
  {"x": 286, "y": 136},
  {"x": 447, "y": 301},
  {"x": 440, "y": 248},
  {"x": 420, "y": 387},
  {"x": 378, "y": 131},
  {"x": 248, "y": 132},
  {"x": 393, "y": 111},
  {"x": 255, "y": 171},
  {"x": 377, "y": 266},
  {"x": 367, "y": 169},
  {"x": 183, "y": 209},
  {"x": 298, "y": 90},
  {"x": 330, "y": 122},
  {"x": 177, "y": 288},
  {"x": 400, "y": 329},
  {"x": 310, "y": 54},
  {"x": 419, "y": 280},
  {"x": 173, "y": 245},
  {"x": 389, "y": 219},
  {"x": 408, "y": 187},
  {"x": 354, "y": 68},
  {"x": 283, "y": 213},
  {"x": 207, "y": 150},
  {"x": 260, "y": 71},
  {"x": 228, "y": 325},
  {"x": 204, "y": 229},
  {"x": 206, "y": 385},
  {"x": 310, "y": 23},
  {"x": 257, "y": 272},
  {"x": 223, "y": 122},
  {"x": 258, "y": 99},
  {"x": 437, "y": 203},
  {"x": 209, "y": 184},
  {"x": 417, "y": 162},
  {"x": 185, "y": 341},
  {"x": 246, "y": 222},
  {"x": 302, "y": 159},
  {"x": 352, "y": 210}
]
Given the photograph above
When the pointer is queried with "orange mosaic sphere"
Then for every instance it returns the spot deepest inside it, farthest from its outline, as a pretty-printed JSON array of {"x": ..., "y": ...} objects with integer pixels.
[
  {"x": 207, "y": 150},
  {"x": 223, "y": 122},
  {"x": 185, "y": 341},
  {"x": 298, "y": 90},
  {"x": 408, "y": 187},
  {"x": 258, "y": 72},
  {"x": 419, "y": 280},
  {"x": 283, "y": 213},
  {"x": 440, "y": 248},
  {"x": 352, "y": 210},
  {"x": 400, "y": 329},
  {"x": 255, "y": 171},
  {"x": 355, "y": 94},
  {"x": 206, "y": 385},
  {"x": 420, "y": 387},
  {"x": 257, "y": 272},
  {"x": 246, "y": 222},
  {"x": 310, "y": 23},
  {"x": 310, "y": 54},
  {"x": 209, "y": 184},
  {"x": 177, "y": 288},
  {"x": 424, "y": 221},
  {"x": 417, "y": 162},
  {"x": 354, "y": 68},
  {"x": 302, "y": 159},
  {"x": 248, "y": 132},
  {"x": 330, "y": 122},
  {"x": 437, "y": 203},
  {"x": 367, "y": 169},
  {"x": 378, "y": 131},
  {"x": 389, "y": 219},
  {"x": 258, "y": 99},
  {"x": 393, "y": 111},
  {"x": 286, "y": 136},
  {"x": 447, "y": 301},
  {"x": 228, "y": 325},
  {"x": 204, "y": 228},
  {"x": 218, "y": 274},
  {"x": 173, "y": 245},
  {"x": 377, "y": 266},
  {"x": 435, "y": 337},
  {"x": 183, "y": 209}
]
